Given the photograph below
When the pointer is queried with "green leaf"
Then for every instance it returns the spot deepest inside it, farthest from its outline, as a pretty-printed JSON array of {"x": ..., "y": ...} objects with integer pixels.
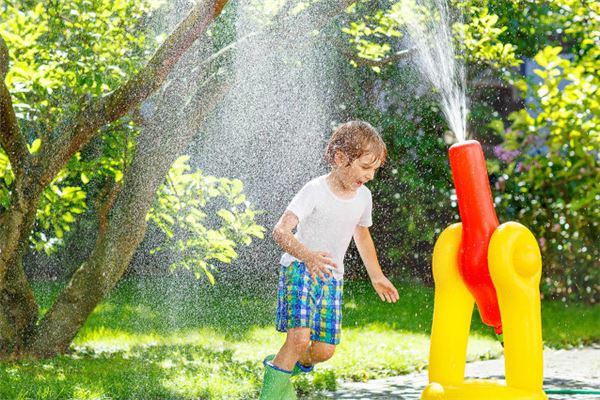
[
  {"x": 68, "y": 217},
  {"x": 9, "y": 178},
  {"x": 35, "y": 146},
  {"x": 227, "y": 216}
]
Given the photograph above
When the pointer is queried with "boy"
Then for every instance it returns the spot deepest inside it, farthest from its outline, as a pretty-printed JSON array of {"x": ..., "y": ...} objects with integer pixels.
[{"x": 327, "y": 212}]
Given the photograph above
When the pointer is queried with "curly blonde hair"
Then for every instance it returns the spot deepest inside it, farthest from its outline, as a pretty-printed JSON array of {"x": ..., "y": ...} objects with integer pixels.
[{"x": 354, "y": 139}]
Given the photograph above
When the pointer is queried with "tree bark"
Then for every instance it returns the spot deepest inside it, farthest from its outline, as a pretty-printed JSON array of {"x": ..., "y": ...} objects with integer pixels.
[{"x": 11, "y": 138}]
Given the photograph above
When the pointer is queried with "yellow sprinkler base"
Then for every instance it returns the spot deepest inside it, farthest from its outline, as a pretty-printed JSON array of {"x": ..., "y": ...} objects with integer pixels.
[{"x": 478, "y": 389}]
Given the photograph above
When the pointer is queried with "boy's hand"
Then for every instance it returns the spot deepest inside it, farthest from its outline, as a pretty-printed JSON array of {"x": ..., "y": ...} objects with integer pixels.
[
  {"x": 385, "y": 289},
  {"x": 320, "y": 264}
]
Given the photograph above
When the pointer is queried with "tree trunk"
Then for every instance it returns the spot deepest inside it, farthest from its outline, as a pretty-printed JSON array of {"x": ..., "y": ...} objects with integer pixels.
[
  {"x": 18, "y": 307},
  {"x": 156, "y": 151}
]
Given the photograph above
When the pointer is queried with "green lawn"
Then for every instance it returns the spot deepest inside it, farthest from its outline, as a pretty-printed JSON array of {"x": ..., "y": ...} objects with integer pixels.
[{"x": 182, "y": 340}]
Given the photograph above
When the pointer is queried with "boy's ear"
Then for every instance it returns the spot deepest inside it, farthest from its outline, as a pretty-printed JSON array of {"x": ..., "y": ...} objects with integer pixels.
[{"x": 340, "y": 158}]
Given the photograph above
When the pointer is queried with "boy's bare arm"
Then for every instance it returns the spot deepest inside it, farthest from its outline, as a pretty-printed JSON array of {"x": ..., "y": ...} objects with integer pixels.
[
  {"x": 317, "y": 262},
  {"x": 366, "y": 248}
]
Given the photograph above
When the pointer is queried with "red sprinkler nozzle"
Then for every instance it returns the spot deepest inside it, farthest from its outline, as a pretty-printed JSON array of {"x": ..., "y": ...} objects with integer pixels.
[{"x": 479, "y": 221}]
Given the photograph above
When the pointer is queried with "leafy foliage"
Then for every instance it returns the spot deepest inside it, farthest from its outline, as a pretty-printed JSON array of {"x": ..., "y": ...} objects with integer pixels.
[
  {"x": 547, "y": 167},
  {"x": 373, "y": 35},
  {"x": 67, "y": 52},
  {"x": 551, "y": 178},
  {"x": 71, "y": 51},
  {"x": 178, "y": 212},
  {"x": 376, "y": 34},
  {"x": 479, "y": 39}
]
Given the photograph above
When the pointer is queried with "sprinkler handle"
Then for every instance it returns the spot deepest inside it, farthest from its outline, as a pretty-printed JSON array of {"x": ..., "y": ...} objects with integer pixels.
[{"x": 479, "y": 221}]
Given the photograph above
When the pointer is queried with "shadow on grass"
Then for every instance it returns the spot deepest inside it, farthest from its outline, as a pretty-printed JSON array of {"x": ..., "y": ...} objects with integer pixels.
[
  {"x": 144, "y": 372},
  {"x": 166, "y": 306}
]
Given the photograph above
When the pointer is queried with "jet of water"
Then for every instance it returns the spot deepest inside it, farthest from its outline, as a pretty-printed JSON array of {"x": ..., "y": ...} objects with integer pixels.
[{"x": 429, "y": 27}]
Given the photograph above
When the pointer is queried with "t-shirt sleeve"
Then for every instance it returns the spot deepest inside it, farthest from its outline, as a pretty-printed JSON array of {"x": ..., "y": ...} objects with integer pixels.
[
  {"x": 303, "y": 202},
  {"x": 366, "y": 219}
]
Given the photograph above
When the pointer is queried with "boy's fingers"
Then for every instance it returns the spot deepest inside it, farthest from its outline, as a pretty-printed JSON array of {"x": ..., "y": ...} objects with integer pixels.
[
  {"x": 330, "y": 262},
  {"x": 322, "y": 275},
  {"x": 326, "y": 269},
  {"x": 381, "y": 296}
]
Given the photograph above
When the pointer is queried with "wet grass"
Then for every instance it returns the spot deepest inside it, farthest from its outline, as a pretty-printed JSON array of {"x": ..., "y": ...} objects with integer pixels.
[{"x": 163, "y": 339}]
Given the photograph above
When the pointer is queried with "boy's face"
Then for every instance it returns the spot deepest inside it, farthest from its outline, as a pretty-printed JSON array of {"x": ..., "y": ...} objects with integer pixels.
[{"x": 359, "y": 171}]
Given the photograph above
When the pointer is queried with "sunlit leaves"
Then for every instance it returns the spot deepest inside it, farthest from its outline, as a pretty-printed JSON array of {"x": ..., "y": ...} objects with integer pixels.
[
  {"x": 62, "y": 54},
  {"x": 559, "y": 138},
  {"x": 376, "y": 34},
  {"x": 61, "y": 51},
  {"x": 56, "y": 213},
  {"x": 35, "y": 146},
  {"x": 6, "y": 179},
  {"x": 479, "y": 39},
  {"x": 373, "y": 34},
  {"x": 198, "y": 241}
]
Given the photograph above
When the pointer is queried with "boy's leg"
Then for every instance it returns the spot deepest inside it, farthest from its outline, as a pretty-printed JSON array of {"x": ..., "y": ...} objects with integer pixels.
[
  {"x": 317, "y": 352},
  {"x": 327, "y": 323},
  {"x": 293, "y": 317},
  {"x": 296, "y": 344},
  {"x": 276, "y": 382}
]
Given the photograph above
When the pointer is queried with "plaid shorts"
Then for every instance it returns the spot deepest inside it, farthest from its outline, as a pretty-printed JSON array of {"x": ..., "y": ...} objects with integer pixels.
[{"x": 304, "y": 303}]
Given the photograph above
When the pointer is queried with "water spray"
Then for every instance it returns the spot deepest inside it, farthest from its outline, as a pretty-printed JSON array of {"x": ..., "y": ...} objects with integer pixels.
[{"x": 478, "y": 260}]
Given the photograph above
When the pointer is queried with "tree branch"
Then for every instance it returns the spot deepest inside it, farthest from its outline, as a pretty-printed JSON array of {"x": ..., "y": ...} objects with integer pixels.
[
  {"x": 11, "y": 138},
  {"x": 189, "y": 74},
  {"x": 4, "y": 58},
  {"x": 79, "y": 130},
  {"x": 218, "y": 7}
]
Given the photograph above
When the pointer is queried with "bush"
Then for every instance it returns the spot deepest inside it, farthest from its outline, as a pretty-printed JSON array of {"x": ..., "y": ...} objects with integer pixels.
[{"x": 550, "y": 167}]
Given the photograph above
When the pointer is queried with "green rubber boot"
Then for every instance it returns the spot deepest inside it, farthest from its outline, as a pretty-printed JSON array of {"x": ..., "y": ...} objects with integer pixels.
[
  {"x": 298, "y": 368},
  {"x": 277, "y": 384}
]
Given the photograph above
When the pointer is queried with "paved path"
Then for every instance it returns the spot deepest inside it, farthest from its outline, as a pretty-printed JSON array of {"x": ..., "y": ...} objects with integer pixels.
[{"x": 563, "y": 369}]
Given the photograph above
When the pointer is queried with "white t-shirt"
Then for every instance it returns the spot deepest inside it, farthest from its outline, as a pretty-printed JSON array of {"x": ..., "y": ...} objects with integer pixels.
[{"x": 327, "y": 222}]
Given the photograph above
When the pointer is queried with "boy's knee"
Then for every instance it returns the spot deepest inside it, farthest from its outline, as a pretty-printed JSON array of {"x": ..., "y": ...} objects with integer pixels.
[
  {"x": 322, "y": 353},
  {"x": 299, "y": 341}
]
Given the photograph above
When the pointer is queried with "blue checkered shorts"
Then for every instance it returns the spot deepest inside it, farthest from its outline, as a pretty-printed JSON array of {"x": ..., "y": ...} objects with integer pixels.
[{"x": 304, "y": 303}]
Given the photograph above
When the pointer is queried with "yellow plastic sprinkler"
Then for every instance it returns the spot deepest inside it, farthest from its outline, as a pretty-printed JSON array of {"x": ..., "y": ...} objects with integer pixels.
[{"x": 499, "y": 268}]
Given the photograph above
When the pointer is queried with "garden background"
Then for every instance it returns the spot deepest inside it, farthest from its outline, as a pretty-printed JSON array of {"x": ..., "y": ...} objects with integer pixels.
[{"x": 147, "y": 149}]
